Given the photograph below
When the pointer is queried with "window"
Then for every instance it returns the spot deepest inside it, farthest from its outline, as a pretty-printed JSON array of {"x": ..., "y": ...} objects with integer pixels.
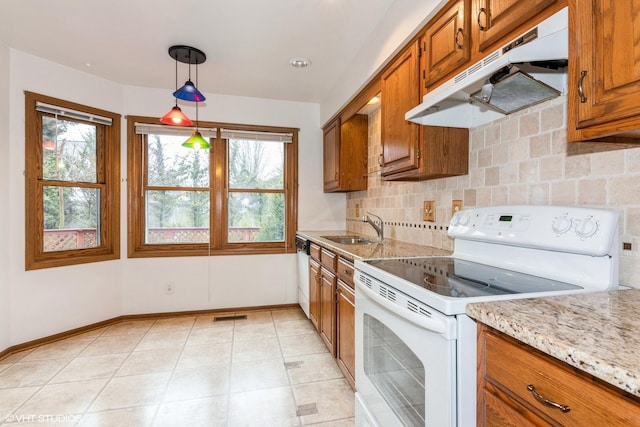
[
  {"x": 72, "y": 171},
  {"x": 239, "y": 197}
]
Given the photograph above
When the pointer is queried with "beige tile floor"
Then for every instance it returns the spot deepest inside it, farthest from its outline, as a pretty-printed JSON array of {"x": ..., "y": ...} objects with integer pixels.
[{"x": 270, "y": 369}]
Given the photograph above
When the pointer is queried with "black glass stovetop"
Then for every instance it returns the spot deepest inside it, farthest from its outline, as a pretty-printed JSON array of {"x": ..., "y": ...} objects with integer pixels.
[{"x": 458, "y": 278}]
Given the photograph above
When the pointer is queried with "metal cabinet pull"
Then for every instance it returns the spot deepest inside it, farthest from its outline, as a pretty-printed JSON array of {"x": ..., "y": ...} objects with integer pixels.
[
  {"x": 480, "y": 26},
  {"x": 458, "y": 44},
  {"x": 583, "y": 98},
  {"x": 545, "y": 401}
]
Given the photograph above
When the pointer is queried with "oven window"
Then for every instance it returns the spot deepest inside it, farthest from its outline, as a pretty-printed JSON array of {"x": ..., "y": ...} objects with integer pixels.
[{"x": 395, "y": 371}]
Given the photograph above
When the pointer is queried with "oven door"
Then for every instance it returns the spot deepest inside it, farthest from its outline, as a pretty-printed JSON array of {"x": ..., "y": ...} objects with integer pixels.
[{"x": 405, "y": 359}]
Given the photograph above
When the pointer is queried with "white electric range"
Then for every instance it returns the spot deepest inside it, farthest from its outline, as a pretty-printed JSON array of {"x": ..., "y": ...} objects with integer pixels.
[{"x": 415, "y": 347}]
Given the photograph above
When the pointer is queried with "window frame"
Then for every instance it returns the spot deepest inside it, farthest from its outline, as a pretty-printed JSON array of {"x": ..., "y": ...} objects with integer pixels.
[
  {"x": 218, "y": 245},
  {"x": 107, "y": 180}
]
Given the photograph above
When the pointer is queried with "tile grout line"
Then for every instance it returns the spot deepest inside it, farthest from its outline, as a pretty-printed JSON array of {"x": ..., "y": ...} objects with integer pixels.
[
  {"x": 173, "y": 372},
  {"x": 230, "y": 373},
  {"x": 47, "y": 382},
  {"x": 114, "y": 373},
  {"x": 293, "y": 394}
]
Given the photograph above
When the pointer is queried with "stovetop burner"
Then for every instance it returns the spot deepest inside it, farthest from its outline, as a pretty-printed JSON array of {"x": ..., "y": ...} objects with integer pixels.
[{"x": 458, "y": 278}]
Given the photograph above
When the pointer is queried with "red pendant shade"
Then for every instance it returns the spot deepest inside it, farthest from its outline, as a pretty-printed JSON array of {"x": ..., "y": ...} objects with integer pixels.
[{"x": 176, "y": 117}]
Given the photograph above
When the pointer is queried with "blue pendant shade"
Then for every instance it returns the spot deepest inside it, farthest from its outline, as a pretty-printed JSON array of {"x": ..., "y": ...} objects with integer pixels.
[
  {"x": 196, "y": 141},
  {"x": 188, "y": 55},
  {"x": 189, "y": 92}
]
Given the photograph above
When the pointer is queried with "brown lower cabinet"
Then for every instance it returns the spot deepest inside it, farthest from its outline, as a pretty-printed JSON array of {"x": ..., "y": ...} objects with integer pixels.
[
  {"x": 521, "y": 386},
  {"x": 328, "y": 283},
  {"x": 332, "y": 306},
  {"x": 345, "y": 336},
  {"x": 314, "y": 293}
]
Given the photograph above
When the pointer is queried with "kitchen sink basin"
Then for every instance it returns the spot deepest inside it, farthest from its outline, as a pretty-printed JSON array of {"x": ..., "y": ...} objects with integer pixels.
[{"x": 349, "y": 240}]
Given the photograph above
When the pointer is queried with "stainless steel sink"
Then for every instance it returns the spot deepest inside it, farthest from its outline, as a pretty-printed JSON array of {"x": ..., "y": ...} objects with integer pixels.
[{"x": 349, "y": 240}]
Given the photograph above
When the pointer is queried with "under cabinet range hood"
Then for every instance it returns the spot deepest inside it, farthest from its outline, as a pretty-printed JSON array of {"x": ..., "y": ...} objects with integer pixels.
[{"x": 529, "y": 70}]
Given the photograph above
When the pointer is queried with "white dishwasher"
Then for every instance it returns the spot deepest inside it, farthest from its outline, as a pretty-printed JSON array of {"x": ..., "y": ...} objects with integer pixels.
[{"x": 302, "y": 250}]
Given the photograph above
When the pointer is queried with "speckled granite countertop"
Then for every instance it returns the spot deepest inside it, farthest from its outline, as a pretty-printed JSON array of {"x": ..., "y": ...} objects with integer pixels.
[
  {"x": 598, "y": 333},
  {"x": 388, "y": 248}
]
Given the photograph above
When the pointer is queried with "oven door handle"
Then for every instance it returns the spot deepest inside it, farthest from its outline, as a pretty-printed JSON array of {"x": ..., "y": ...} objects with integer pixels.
[{"x": 429, "y": 323}]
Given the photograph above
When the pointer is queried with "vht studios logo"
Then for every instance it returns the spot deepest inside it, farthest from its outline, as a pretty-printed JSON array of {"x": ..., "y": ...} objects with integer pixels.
[{"x": 40, "y": 418}]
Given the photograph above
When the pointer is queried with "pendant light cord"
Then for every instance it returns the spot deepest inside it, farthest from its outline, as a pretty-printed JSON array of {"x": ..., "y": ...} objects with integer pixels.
[{"x": 176, "y": 79}]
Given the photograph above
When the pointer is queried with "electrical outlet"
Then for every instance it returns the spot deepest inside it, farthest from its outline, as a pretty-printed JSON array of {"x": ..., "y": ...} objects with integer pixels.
[
  {"x": 429, "y": 211},
  {"x": 169, "y": 287},
  {"x": 357, "y": 210},
  {"x": 456, "y": 206}
]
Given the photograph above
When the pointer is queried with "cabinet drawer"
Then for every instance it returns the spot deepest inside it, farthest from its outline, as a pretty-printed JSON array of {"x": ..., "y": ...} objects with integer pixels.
[
  {"x": 345, "y": 271},
  {"x": 314, "y": 251},
  {"x": 328, "y": 259},
  {"x": 513, "y": 367}
]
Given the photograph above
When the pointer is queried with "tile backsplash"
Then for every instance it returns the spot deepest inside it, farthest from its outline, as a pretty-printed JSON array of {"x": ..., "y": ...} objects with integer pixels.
[{"x": 523, "y": 158}]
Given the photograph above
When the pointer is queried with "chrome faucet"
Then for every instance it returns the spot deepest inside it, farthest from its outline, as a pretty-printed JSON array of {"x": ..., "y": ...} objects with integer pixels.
[{"x": 379, "y": 228}]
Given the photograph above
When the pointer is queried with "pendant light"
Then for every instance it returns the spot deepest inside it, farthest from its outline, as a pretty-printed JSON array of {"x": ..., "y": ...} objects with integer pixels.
[
  {"x": 175, "y": 116},
  {"x": 188, "y": 55},
  {"x": 196, "y": 141},
  {"x": 189, "y": 92}
]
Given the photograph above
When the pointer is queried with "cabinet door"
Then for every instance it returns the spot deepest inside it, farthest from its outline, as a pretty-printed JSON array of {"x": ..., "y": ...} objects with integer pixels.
[
  {"x": 345, "y": 335},
  {"x": 331, "y": 156},
  {"x": 328, "y": 309},
  {"x": 400, "y": 93},
  {"x": 354, "y": 139},
  {"x": 445, "y": 152},
  {"x": 496, "y": 18},
  {"x": 446, "y": 43},
  {"x": 604, "y": 69},
  {"x": 314, "y": 293},
  {"x": 514, "y": 378}
]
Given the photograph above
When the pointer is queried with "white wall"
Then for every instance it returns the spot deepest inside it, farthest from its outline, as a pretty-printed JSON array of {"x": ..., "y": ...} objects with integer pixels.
[
  {"x": 48, "y": 301},
  {"x": 402, "y": 21},
  {"x": 4, "y": 195},
  {"x": 233, "y": 281},
  {"x": 44, "y": 302}
]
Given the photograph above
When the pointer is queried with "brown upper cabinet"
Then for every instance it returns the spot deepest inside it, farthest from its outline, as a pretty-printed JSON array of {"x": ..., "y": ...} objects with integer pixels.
[
  {"x": 604, "y": 71},
  {"x": 446, "y": 43},
  {"x": 442, "y": 152},
  {"x": 411, "y": 151},
  {"x": 345, "y": 154},
  {"x": 400, "y": 93},
  {"x": 331, "y": 154},
  {"x": 464, "y": 32},
  {"x": 495, "y": 19}
]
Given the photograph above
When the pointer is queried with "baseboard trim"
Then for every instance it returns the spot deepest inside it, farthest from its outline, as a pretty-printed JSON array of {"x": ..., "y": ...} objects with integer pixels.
[{"x": 87, "y": 328}]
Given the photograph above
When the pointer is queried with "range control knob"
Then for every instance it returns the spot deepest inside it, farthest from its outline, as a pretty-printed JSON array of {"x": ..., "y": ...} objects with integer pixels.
[
  {"x": 463, "y": 218},
  {"x": 455, "y": 219},
  {"x": 561, "y": 225},
  {"x": 587, "y": 228}
]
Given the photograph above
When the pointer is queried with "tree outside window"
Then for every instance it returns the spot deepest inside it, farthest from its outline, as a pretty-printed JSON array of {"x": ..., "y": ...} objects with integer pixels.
[
  {"x": 238, "y": 197},
  {"x": 72, "y": 175}
]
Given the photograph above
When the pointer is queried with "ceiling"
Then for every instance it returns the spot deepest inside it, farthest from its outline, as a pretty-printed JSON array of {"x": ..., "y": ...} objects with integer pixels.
[{"x": 248, "y": 43}]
